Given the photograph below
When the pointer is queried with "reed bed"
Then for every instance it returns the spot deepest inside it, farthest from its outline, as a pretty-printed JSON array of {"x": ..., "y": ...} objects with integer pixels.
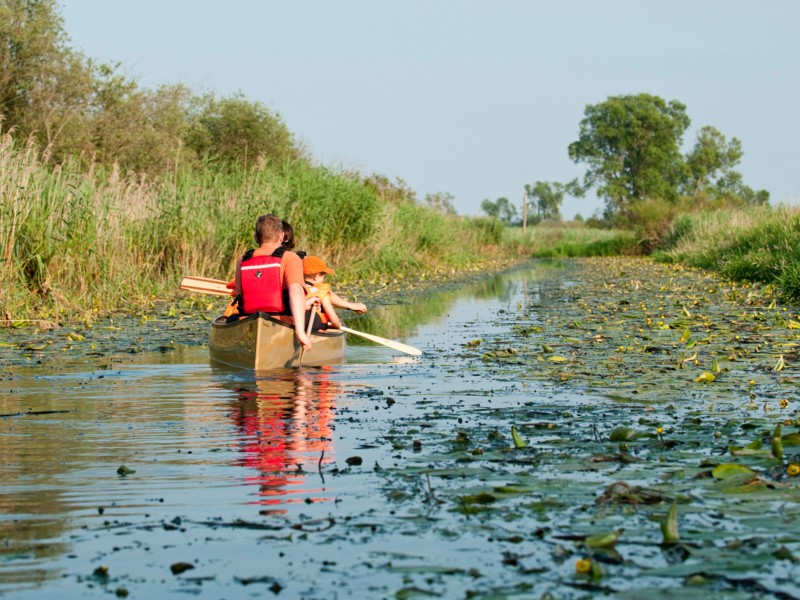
[
  {"x": 572, "y": 240},
  {"x": 79, "y": 244},
  {"x": 756, "y": 244}
]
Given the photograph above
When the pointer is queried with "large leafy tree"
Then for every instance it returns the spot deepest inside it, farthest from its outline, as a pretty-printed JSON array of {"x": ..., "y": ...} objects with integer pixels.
[{"x": 632, "y": 147}]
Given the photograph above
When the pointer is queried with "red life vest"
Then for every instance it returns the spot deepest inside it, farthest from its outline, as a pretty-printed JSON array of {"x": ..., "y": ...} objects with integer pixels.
[{"x": 261, "y": 284}]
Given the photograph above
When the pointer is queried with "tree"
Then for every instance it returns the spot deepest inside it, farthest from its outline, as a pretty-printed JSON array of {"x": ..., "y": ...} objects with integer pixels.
[
  {"x": 731, "y": 187},
  {"x": 441, "y": 202},
  {"x": 45, "y": 87},
  {"x": 711, "y": 159},
  {"x": 395, "y": 192},
  {"x": 632, "y": 147},
  {"x": 710, "y": 167},
  {"x": 137, "y": 128},
  {"x": 545, "y": 199},
  {"x": 235, "y": 129},
  {"x": 501, "y": 209}
]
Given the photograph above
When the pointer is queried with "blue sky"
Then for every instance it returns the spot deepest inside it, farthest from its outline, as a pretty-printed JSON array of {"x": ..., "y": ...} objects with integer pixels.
[{"x": 474, "y": 98}]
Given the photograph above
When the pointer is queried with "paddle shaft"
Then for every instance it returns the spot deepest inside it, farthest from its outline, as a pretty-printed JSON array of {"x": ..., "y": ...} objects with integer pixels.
[
  {"x": 308, "y": 333},
  {"x": 219, "y": 288}
]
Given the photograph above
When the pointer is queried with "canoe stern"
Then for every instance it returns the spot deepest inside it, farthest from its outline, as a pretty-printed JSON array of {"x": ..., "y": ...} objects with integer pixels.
[{"x": 262, "y": 342}]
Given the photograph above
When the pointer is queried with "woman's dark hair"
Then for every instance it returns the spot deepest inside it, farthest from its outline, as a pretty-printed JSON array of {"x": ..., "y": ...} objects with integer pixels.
[{"x": 288, "y": 236}]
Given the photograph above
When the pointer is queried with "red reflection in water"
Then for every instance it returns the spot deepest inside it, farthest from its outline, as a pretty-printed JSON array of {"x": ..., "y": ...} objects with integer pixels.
[{"x": 286, "y": 435}]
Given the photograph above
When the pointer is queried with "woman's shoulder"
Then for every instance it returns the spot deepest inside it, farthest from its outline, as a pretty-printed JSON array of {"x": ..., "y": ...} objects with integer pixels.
[{"x": 290, "y": 256}]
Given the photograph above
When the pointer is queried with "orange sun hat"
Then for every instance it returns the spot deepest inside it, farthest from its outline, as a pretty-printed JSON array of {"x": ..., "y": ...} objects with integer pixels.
[{"x": 314, "y": 264}]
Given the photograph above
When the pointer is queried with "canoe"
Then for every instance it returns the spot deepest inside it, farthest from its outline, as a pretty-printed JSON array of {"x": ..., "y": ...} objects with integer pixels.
[{"x": 260, "y": 341}]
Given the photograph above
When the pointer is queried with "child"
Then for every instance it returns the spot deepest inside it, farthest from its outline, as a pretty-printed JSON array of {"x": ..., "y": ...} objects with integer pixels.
[{"x": 314, "y": 270}]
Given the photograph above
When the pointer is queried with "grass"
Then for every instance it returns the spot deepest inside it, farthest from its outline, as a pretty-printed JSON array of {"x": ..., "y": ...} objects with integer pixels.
[
  {"x": 756, "y": 244},
  {"x": 572, "y": 240},
  {"x": 79, "y": 244}
]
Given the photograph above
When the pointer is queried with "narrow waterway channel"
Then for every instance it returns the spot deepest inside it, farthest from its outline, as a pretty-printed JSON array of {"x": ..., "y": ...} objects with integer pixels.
[{"x": 159, "y": 473}]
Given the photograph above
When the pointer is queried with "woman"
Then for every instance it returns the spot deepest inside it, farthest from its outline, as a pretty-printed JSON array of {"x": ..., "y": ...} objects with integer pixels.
[{"x": 288, "y": 239}]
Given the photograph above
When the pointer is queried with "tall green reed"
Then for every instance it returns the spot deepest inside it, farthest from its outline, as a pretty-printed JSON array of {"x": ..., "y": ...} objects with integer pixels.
[
  {"x": 80, "y": 243},
  {"x": 756, "y": 244},
  {"x": 557, "y": 241}
]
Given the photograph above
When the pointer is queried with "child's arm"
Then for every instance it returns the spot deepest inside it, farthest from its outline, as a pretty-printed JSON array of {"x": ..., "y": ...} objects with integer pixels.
[
  {"x": 337, "y": 300},
  {"x": 327, "y": 307}
]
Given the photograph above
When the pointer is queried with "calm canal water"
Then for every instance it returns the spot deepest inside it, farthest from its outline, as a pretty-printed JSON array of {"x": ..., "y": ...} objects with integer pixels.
[{"x": 125, "y": 469}]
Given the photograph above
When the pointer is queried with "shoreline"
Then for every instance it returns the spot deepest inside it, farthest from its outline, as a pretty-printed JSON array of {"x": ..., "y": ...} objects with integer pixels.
[{"x": 182, "y": 320}]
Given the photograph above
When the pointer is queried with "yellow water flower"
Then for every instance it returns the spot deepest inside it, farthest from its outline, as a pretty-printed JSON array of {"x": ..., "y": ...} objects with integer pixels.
[
  {"x": 793, "y": 470},
  {"x": 784, "y": 403},
  {"x": 583, "y": 566},
  {"x": 659, "y": 430}
]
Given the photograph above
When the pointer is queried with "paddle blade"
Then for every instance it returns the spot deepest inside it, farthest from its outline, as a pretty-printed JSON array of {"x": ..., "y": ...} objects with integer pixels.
[
  {"x": 204, "y": 285},
  {"x": 383, "y": 341}
]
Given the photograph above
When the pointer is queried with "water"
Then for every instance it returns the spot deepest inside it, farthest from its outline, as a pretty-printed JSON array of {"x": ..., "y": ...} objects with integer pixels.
[
  {"x": 206, "y": 445},
  {"x": 161, "y": 474}
]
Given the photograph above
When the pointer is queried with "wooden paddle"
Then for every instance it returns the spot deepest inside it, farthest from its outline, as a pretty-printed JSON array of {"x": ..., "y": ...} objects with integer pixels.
[
  {"x": 405, "y": 348},
  {"x": 205, "y": 286},
  {"x": 219, "y": 288},
  {"x": 308, "y": 333}
]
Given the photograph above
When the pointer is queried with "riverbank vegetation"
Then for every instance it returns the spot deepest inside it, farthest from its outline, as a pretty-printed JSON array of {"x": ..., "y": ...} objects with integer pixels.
[
  {"x": 755, "y": 244},
  {"x": 110, "y": 192},
  {"x": 564, "y": 240},
  {"x": 80, "y": 243},
  {"x": 691, "y": 208}
]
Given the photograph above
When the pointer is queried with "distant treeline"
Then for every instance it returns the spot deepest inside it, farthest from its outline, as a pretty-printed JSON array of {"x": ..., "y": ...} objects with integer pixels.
[
  {"x": 77, "y": 108},
  {"x": 631, "y": 146}
]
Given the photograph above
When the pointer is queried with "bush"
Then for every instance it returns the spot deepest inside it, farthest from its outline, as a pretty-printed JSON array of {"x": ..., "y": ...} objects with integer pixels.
[
  {"x": 488, "y": 232},
  {"x": 680, "y": 227},
  {"x": 756, "y": 244}
]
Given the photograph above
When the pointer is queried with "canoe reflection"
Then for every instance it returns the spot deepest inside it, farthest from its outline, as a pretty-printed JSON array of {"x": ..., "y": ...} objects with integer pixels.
[{"x": 285, "y": 428}]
